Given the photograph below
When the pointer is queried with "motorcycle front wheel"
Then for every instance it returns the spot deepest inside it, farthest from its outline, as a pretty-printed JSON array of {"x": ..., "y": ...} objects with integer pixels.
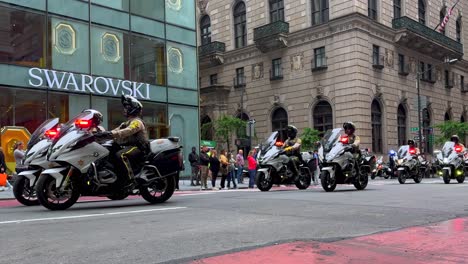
[
  {"x": 158, "y": 191},
  {"x": 54, "y": 199},
  {"x": 446, "y": 177},
  {"x": 461, "y": 179},
  {"x": 263, "y": 183},
  {"x": 328, "y": 184},
  {"x": 402, "y": 177},
  {"x": 418, "y": 178},
  {"x": 23, "y": 192}
]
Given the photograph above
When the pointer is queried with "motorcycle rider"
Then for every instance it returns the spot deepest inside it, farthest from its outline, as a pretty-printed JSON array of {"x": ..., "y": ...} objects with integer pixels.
[
  {"x": 413, "y": 146},
  {"x": 353, "y": 140},
  {"x": 292, "y": 147},
  {"x": 131, "y": 135},
  {"x": 455, "y": 139}
]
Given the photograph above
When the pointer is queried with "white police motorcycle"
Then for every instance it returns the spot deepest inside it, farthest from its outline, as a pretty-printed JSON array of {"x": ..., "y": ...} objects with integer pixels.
[
  {"x": 408, "y": 165},
  {"x": 340, "y": 165},
  {"x": 274, "y": 169},
  {"x": 451, "y": 165},
  {"x": 34, "y": 162}
]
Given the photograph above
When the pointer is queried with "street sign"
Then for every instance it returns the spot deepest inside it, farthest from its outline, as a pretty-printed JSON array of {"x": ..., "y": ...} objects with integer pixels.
[
  {"x": 414, "y": 129},
  {"x": 416, "y": 138}
]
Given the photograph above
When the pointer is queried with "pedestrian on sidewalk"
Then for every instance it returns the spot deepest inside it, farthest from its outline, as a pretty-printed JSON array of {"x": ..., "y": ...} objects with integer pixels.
[
  {"x": 214, "y": 167},
  {"x": 231, "y": 171},
  {"x": 240, "y": 166},
  {"x": 315, "y": 167},
  {"x": 194, "y": 160},
  {"x": 3, "y": 169},
  {"x": 224, "y": 167},
  {"x": 252, "y": 163},
  {"x": 204, "y": 161}
]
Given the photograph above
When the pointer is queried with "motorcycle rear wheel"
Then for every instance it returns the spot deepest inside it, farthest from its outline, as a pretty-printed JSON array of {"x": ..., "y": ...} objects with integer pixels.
[
  {"x": 23, "y": 192},
  {"x": 446, "y": 177},
  {"x": 264, "y": 184},
  {"x": 402, "y": 177},
  {"x": 328, "y": 184},
  {"x": 373, "y": 175},
  {"x": 303, "y": 181},
  {"x": 361, "y": 181},
  {"x": 158, "y": 191},
  {"x": 47, "y": 194},
  {"x": 418, "y": 178}
]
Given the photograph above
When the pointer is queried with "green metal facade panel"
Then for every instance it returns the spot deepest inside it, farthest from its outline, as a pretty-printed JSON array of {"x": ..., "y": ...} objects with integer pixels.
[
  {"x": 181, "y": 13},
  {"x": 181, "y": 96},
  {"x": 182, "y": 66},
  {"x": 36, "y": 4},
  {"x": 181, "y": 35},
  {"x": 147, "y": 26},
  {"x": 70, "y": 8},
  {"x": 110, "y": 17},
  {"x": 100, "y": 64}
]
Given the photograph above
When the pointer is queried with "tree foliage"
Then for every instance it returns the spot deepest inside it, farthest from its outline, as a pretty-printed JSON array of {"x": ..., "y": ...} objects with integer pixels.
[
  {"x": 449, "y": 128},
  {"x": 224, "y": 128},
  {"x": 309, "y": 137}
]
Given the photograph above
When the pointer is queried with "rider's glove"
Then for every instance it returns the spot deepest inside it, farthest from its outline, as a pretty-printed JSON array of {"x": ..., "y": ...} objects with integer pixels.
[
  {"x": 288, "y": 149},
  {"x": 103, "y": 135}
]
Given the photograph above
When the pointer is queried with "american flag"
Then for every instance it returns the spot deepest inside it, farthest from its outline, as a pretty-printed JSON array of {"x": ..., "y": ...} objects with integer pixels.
[{"x": 444, "y": 22}]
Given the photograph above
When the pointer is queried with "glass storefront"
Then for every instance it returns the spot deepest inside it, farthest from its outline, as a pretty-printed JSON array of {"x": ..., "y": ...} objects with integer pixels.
[{"x": 59, "y": 57}]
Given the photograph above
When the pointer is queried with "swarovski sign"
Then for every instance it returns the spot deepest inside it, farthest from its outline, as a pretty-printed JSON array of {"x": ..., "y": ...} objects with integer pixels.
[{"x": 84, "y": 83}]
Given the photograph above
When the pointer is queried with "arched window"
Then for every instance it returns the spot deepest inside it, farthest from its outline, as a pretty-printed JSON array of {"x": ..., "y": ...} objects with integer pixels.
[
  {"x": 372, "y": 9},
  {"x": 376, "y": 120},
  {"x": 422, "y": 11},
  {"x": 458, "y": 25},
  {"x": 279, "y": 122},
  {"x": 240, "y": 27},
  {"x": 462, "y": 119},
  {"x": 447, "y": 116},
  {"x": 206, "y": 128},
  {"x": 441, "y": 18},
  {"x": 205, "y": 29},
  {"x": 401, "y": 116},
  {"x": 323, "y": 116},
  {"x": 320, "y": 11},
  {"x": 426, "y": 118},
  {"x": 396, "y": 8},
  {"x": 243, "y": 116},
  {"x": 276, "y": 10}
]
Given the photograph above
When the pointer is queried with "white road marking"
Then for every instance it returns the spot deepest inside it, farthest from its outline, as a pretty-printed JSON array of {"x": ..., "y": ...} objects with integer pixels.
[{"x": 88, "y": 215}]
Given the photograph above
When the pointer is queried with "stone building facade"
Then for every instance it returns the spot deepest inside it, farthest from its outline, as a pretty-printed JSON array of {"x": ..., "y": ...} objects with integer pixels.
[{"x": 319, "y": 63}]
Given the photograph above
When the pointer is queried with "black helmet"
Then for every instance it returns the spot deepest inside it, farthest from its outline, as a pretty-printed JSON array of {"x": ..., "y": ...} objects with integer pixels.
[
  {"x": 131, "y": 105},
  {"x": 97, "y": 116},
  {"x": 349, "y": 125},
  {"x": 455, "y": 139},
  {"x": 411, "y": 142},
  {"x": 291, "y": 131}
]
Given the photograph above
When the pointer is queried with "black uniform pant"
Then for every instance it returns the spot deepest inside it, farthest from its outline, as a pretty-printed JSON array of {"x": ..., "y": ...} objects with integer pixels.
[{"x": 127, "y": 157}]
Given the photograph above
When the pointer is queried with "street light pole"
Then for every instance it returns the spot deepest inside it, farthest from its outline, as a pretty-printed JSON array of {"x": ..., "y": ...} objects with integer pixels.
[{"x": 418, "y": 76}]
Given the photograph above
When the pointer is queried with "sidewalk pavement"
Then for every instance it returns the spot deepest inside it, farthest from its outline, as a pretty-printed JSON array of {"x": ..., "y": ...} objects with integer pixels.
[{"x": 184, "y": 185}]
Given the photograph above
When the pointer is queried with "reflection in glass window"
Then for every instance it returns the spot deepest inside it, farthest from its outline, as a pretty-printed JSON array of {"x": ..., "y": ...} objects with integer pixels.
[
  {"x": 422, "y": 11},
  {"x": 109, "y": 52},
  {"x": 148, "y": 60},
  {"x": 20, "y": 107},
  {"x": 22, "y": 38},
  {"x": 155, "y": 118},
  {"x": 59, "y": 106},
  {"x": 148, "y": 8},
  {"x": 116, "y": 4}
]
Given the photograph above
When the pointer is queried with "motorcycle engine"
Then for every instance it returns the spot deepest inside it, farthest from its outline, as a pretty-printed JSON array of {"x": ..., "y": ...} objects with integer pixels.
[{"x": 106, "y": 176}]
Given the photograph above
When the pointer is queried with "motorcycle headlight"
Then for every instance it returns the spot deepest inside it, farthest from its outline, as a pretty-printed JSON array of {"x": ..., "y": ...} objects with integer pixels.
[{"x": 446, "y": 160}]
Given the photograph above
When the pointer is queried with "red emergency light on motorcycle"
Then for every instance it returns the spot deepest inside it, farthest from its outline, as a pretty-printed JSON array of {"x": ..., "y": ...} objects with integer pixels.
[
  {"x": 83, "y": 123},
  {"x": 412, "y": 151},
  {"x": 279, "y": 143},
  {"x": 344, "y": 139},
  {"x": 51, "y": 133},
  {"x": 458, "y": 149}
]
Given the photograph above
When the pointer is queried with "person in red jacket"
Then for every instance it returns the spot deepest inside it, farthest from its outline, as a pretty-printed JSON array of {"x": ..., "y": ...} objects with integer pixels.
[{"x": 252, "y": 163}]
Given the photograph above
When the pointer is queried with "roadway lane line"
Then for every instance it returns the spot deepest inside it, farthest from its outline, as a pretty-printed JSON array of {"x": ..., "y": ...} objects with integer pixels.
[{"x": 88, "y": 215}]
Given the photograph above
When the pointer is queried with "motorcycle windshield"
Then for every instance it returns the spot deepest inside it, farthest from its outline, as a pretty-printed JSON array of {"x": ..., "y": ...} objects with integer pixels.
[
  {"x": 336, "y": 150},
  {"x": 330, "y": 138},
  {"x": 40, "y": 131},
  {"x": 70, "y": 125},
  {"x": 448, "y": 148},
  {"x": 270, "y": 141},
  {"x": 403, "y": 152}
]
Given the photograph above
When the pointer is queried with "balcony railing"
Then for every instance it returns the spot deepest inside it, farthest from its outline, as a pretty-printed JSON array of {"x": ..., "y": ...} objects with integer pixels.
[
  {"x": 271, "y": 36},
  {"x": 276, "y": 74},
  {"x": 213, "y": 47},
  {"x": 464, "y": 87},
  {"x": 450, "y": 81},
  {"x": 403, "y": 69},
  {"x": 319, "y": 63},
  {"x": 426, "y": 32},
  {"x": 378, "y": 61}
]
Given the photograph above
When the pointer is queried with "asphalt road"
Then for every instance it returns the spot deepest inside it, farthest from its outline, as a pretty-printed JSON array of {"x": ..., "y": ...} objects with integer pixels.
[{"x": 195, "y": 225}]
